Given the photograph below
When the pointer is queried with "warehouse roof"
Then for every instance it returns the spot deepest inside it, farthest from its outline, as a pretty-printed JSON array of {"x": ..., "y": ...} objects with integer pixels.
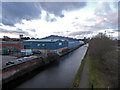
[
  {"x": 11, "y": 42},
  {"x": 44, "y": 40}
]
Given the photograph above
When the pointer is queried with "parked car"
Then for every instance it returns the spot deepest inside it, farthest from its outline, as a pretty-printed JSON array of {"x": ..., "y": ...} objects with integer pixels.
[
  {"x": 19, "y": 60},
  {"x": 36, "y": 52},
  {"x": 26, "y": 58},
  {"x": 9, "y": 63}
]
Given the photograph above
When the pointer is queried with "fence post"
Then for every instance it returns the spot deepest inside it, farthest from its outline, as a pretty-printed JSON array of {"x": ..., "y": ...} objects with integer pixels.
[{"x": 92, "y": 86}]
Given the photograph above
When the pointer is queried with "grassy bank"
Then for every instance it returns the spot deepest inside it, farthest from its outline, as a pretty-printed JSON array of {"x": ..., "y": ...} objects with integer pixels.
[
  {"x": 103, "y": 63},
  {"x": 96, "y": 76},
  {"x": 77, "y": 78}
]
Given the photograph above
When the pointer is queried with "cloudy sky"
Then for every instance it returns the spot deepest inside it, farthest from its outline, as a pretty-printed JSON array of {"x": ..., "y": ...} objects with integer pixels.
[{"x": 72, "y": 19}]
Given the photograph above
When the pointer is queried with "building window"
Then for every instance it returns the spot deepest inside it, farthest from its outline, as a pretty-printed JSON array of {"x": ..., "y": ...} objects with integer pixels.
[
  {"x": 26, "y": 47},
  {"x": 60, "y": 44},
  {"x": 43, "y": 44},
  {"x": 38, "y": 44}
]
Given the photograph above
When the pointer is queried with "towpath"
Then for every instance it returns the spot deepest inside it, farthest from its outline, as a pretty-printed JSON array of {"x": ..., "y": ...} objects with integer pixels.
[{"x": 84, "y": 83}]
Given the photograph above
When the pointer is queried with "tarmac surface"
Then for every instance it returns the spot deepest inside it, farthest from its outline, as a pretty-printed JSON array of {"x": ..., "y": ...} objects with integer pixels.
[
  {"x": 84, "y": 83},
  {"x": 6, "y": 58}
]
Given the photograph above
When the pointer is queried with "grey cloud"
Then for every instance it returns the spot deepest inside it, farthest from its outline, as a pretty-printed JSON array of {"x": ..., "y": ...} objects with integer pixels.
[
  {"x": 96, "y": 27},
  {"x": 62, "y": 16},
  {"x": 67, "y": 31},
  {"x": 53, "y": 20},
  {"x": 111, "y": 32},
  {"x": 110, "y": 22},
  {"x": 103, "y": 8},
  {"x": 91, "y": 19},
  {"x": 11, "y": 31},
  {"x": 117, "y": 30},
  {"x": 57, "y": 7},
  {"x": 76, "y": 18},
  {"x": 17, "y": 30},
  {"x": 110, "y": 16},
  {"x": 80, "y": 33},
  {"x": 73, "y": 23},
  {"x": 115, "y": 4},
  {"x": 32, "y": 30},
  {"x": 56, "y": 32},
  {"x": 0, "y": 11},
  {"x": 13, "y": 12},
  {"x": 49, "y": 19}
]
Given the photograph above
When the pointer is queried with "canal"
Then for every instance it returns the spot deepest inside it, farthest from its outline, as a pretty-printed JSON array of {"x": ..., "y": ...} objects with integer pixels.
[{"x": 60, "y": 74}]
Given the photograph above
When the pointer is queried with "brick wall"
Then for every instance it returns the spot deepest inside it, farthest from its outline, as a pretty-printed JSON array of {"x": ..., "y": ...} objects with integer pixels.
[
  {"x": 60, "y": 50},
  {"x": 15, "y": 71},
  {"x": 18, "y": 46}
]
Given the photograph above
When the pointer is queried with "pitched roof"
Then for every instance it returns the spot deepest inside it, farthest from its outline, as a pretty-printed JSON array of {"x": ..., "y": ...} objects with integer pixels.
[{"x": 44, "y": 40}]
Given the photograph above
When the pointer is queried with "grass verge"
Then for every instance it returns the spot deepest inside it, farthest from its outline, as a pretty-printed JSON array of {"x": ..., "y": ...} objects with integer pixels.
[
  {"x": 96, "y": 76},
  {"x": 77, "y": 78}
]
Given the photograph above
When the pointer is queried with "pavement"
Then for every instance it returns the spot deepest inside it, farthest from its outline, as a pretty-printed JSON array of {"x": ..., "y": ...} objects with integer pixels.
[{"x": 84, "y": 83}]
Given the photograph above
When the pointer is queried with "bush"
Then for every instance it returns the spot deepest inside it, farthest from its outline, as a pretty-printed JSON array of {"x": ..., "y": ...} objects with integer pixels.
[
  {"x": 99, "y": 45},
  {"x": 65, "y": 50},
  {"x": 103, "y": 49}
]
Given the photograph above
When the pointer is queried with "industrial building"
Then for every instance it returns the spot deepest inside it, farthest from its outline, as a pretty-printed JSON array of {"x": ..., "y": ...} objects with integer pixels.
[
  {"x": 7, "y": 47},
  {"x": 50, "y": 43},
  {"x": 71, "y": 42},
  {"x": 45, "y": 45}
]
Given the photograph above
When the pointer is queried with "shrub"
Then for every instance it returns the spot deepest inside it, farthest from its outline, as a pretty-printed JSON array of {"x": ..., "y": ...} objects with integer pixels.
[
  {"x": 104, "y": 50},
  {"x": 100, "y": 45},
  {"x": 65, "y": 50}
]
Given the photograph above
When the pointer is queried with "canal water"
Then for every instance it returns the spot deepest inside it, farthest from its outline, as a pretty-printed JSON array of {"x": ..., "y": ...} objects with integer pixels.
[{"x": 60, "y": 74}]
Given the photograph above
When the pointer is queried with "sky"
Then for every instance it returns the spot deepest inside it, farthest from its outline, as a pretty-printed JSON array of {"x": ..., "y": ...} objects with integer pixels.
[{"x": 70, "y": 19}]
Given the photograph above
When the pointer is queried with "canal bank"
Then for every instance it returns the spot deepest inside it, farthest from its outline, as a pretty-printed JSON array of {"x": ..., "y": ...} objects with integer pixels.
[
  {"x": 59, "y": 74},
  {"x": 79, "y": 75},
  {"x": 17, "y": 71}
]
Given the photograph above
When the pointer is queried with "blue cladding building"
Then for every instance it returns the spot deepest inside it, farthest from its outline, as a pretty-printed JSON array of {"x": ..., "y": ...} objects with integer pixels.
[
  {"x": 46, "y": 44},
  {"x": 71, "y": 42}
]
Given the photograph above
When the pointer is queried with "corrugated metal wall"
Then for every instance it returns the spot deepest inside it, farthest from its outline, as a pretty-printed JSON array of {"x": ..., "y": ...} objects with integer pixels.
[
  {"x": 71, "y": 43},
  {"x": 46, "y": 45}
]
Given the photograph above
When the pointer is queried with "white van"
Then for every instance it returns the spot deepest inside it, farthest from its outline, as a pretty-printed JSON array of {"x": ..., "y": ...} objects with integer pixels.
[{"x": 26, "y": 52}]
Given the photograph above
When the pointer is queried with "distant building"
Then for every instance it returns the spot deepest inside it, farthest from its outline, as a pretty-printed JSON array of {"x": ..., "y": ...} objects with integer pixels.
[
  {"x": 51, "y": 43},
  {"x": 45, "y": 45},
  {"x": 55, "y": 37},
  {"x": 8, "y": 47},
  {"x": 71, "y": 42}
]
